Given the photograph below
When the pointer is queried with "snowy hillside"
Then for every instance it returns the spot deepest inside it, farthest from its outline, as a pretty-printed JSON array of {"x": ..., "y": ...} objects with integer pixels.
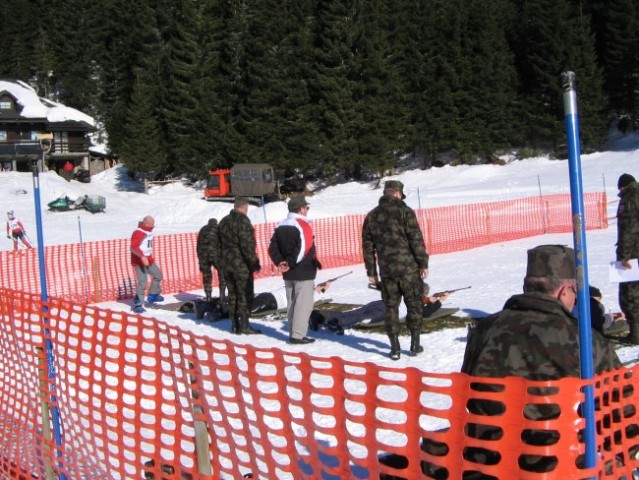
[{"x": 495, "y": 272}]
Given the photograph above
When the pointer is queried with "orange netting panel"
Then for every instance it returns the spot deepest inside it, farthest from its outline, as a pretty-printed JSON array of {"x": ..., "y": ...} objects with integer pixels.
[
  {"x": 100, "y": 271},
  {"x": 139, "y": 398}
]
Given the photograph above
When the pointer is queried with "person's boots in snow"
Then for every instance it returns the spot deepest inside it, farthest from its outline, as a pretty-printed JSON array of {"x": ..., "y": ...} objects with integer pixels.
[
  {"x": 137, "y": 305},
  {"x": 235, "y": 324},
  {"x": 245, "y": 328},
  {"x": 395, "y": 351},
  {"x": 415, "y": 347}
]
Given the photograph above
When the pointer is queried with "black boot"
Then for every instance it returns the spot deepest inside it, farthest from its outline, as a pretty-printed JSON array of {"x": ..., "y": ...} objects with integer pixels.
[
  {"x": 222, "y": 294},
  {"x": 245, "y": 328},
  {"x": 415, "y": 347},
  {"x": 395, "y": 351},
  {"x": 235, "y": 324}
]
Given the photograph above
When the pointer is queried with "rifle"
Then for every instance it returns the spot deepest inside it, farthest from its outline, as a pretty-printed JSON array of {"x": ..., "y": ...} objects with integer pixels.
[
  {"x": 441, "y": 294},
  {"x": 324, "y": 285},
  {"x": 427, "y": 299}
]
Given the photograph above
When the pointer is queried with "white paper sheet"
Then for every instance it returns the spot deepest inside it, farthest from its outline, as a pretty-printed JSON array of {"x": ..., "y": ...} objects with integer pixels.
[{"x": 619, "y": 274}]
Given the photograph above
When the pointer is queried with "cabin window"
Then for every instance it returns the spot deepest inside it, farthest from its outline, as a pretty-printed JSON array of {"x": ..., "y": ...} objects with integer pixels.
[
  {"x": 5, "y": 105},
  {"x": 3, "y": 135}
]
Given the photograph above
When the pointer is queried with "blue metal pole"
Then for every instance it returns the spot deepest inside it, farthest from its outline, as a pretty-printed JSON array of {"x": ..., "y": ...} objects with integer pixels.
[
  {"x": 579, "y": 237},
  {"x": 48, "y": 344}
]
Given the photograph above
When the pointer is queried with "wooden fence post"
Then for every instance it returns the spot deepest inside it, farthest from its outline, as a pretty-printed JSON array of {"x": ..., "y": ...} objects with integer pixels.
[
  {"x": 46, "y": 414},
  {"x": 202, "y": 454}
]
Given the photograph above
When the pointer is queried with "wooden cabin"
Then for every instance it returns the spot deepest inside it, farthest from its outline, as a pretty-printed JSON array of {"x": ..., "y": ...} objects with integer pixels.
[{"x": 25, "y": 118}]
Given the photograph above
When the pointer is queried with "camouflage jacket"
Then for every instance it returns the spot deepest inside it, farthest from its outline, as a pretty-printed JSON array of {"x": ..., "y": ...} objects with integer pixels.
[
  {"x": 391, "y": 238},
  {"x": 237, "y": 244},
  {"x": 628, "y": 223},
  {"x": 208, "y": 243},
  {"x": 534, "y": 337}
]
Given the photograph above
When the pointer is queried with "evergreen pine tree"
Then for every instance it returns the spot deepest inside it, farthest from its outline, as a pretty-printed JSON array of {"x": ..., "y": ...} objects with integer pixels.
[
  {"x": 331, "y": 83},
  {"x": 180, "y": 70},
  {"x": 620, "y": 39},
  {"x": 544, "y": 54},
  {"x": 130, "y": 42},
  {"x": 142, "y": 150}
]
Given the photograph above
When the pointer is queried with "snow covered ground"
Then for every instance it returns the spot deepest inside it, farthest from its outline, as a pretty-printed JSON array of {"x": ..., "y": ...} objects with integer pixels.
[{"x": 495, "y": 272}]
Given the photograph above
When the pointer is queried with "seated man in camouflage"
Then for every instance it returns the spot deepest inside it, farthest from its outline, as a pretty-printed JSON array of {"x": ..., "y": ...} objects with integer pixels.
[{"x": 536, "y": 337}]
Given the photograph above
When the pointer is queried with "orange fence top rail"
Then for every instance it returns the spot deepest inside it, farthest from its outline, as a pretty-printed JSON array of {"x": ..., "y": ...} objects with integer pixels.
[{"x": 95, "y": 272}]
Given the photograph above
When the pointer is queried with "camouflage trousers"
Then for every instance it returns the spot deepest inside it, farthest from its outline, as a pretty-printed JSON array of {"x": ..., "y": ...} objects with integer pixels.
[
  {"x": 206, "y": 268},
  {"x": 240, "y": 295},
  {"x": 409, "y": 288},
  {"x": 629, "y": 304}
]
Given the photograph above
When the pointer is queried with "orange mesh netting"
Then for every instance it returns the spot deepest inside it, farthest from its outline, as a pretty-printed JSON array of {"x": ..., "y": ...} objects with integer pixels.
[
  {"x": 134, "y": 394},
  {"x": 100, "y": 271},
  {"x": 138, "y": 398}
]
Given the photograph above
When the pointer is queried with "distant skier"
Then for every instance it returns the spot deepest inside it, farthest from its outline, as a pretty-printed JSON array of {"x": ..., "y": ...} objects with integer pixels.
[{"x": 15, "y": 231}]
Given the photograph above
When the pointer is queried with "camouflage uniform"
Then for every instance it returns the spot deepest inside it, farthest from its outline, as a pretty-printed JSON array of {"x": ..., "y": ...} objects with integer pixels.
[
  {"x": 628, "y": 248},
  {"x": 391, "y": 238},
  {"x": 238, "y": 261},
  {"x": 535, "y": 337},
  {"x": 208, "y": 256}
]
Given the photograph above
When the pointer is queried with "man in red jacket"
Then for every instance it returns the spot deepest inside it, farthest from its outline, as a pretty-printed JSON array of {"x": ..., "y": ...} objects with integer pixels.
[{"x": 144, "y": 264}]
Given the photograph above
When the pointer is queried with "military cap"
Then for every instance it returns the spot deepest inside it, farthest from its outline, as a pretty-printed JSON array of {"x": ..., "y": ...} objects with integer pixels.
[
  {"x": 394, "y": 186},
  {"x": 296, "y": 203},
  {"x": 624, "y": 180},
  {"x": 557, "y": 261}
]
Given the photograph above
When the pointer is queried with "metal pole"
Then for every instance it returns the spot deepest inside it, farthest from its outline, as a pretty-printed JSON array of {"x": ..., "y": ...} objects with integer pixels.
[
  {"x": 581, "y": 260},
  {"x": 48, "y": 344},
  {"x": 264, "y": 209},
  {"x": 542, "y": 210},
  {"x": 84, "y": 265}
]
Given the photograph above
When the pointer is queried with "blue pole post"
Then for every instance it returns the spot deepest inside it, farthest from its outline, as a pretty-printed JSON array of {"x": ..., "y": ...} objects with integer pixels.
[
  {"x": 581, "y": 260},
  {"x": 44, "y": 296}
]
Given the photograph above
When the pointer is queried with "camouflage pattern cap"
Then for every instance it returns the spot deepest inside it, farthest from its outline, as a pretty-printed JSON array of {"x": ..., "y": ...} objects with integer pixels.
[
  {"x": 556, "y": 261},
  {"x": 394, "y": 186},
  {"x": 296, "y": 203}
]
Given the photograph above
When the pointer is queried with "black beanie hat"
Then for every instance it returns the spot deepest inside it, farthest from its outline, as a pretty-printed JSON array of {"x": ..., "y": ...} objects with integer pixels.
[
  {"x": 594, "y": 292},
  {"x": 625, "y": 180}
]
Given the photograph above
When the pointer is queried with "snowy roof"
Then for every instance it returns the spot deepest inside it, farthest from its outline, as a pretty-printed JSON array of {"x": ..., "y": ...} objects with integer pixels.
[{"x": 34, "y": 106}]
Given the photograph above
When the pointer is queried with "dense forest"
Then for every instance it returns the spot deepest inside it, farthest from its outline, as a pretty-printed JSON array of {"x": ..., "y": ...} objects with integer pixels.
[{"x": 182, "y": 86}]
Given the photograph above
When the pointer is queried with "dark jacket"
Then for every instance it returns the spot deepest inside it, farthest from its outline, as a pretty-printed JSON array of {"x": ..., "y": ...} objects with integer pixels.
[
  {"x": 287, "y": 244},
  {"x": 628, "y": 223},
  {"x": 237, "y": 243},
  {"x": 208, "y": 243},
  {"x": 533, "y": 337},
  {"x": 391, "y": 237}
]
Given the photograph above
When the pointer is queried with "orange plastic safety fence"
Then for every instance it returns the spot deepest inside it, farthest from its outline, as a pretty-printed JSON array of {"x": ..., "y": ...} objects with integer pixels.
[
  {"x": 139, "y": 398},
  {"x": 101, "y": 271}
]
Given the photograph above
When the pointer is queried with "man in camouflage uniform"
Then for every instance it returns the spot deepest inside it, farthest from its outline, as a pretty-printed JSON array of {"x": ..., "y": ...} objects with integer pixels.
[
  {"x": 627, "y": 249},
  {"x": 239, "y": 261},
  {"x": 208, "y": 256},
  {"x": 391, "y": 238},
  {"x": 536, "y": 337}
]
